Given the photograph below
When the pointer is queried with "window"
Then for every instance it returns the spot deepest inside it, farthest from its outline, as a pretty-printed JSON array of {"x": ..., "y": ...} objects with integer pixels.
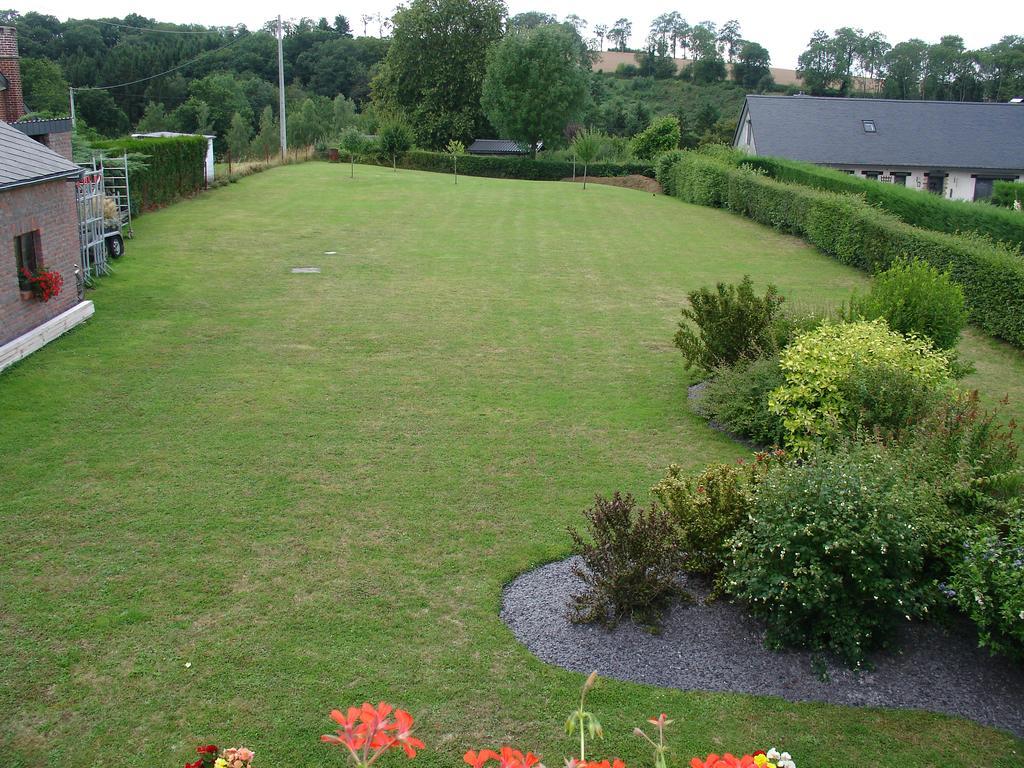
[
  {"x": 899, "y": 177},
  {"x": 27, "y": 254},
  {"x": 845, "y": 170},
  {"x": 869, "y": 126},
  {"x": 873, "y": 175}
]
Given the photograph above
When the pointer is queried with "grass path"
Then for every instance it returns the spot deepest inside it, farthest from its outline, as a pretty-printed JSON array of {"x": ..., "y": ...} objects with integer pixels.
[{"x": 312, "y": 488}]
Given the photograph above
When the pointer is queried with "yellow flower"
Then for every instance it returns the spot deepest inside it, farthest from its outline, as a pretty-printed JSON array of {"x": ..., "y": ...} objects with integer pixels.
[
  {"x": 221, "y": 763},
  {"x": 760, "y": 761}
]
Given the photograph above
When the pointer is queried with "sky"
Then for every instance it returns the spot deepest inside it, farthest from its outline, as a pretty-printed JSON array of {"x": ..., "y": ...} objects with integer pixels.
[{"x": 784, "y": 26}]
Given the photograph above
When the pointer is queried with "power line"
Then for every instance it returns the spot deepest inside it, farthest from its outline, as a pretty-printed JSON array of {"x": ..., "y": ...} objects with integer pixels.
[{"x": 159, "y": 74}]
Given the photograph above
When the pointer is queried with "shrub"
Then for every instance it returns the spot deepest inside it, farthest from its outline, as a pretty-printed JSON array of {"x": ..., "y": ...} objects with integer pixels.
[
  {"x": 916, "y": 298},
  {"x": 175, "y": 167},
  {"x": 884, "y": 399},
  {"x": 736, "y": 398},
  {"x": 831, "y": 559},
  {"x": 662, "y": 135},
  {"x": 992, "y": 277},
  {"x": 631, "y": 563},
  {"x": 1006, "y": 193},
  {"x": 814, "y": 402},
  {"x": 665, "y": 170},
  {"x": 721, "y": 327},
  {"x": 708, "y": 508},
  {"x": 988, "y": 585},
  {"x": 516, "y": 167}
]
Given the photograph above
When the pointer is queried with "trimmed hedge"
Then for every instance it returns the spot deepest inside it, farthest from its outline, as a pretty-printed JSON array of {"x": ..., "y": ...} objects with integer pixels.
[
  {"x": 515, "y": 167},
  {"x": 919, "y": 209},
  {"x": 861, "y": 235},
  {"x": 176, "y": 167},
  {"x": 1005, "y": 192}
]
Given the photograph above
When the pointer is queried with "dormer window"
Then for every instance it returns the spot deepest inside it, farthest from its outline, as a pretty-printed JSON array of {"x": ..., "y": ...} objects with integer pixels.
[{"x": 869, "y": 126}]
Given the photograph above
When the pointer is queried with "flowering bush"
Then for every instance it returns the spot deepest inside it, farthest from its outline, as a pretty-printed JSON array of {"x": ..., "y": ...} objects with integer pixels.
[
  {"x": 234, "y": 757},
  {"x": 506, "y": 758},
  {"x": 368, "y": 732},
  {"x": 760, "y": 759},
  {"x": 44, "y": 283}
]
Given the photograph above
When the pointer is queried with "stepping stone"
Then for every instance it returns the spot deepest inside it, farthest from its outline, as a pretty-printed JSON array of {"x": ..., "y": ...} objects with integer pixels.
[
  {"x": 330, "y": 253},
  {"x": 305, "y": 270}
]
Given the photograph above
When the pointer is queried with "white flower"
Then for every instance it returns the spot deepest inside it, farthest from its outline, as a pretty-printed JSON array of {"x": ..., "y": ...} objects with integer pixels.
[
  {"x": 188, "y": 665},
  {"x": 773, "y": 754},
  {"x": 785, "y": 756}
]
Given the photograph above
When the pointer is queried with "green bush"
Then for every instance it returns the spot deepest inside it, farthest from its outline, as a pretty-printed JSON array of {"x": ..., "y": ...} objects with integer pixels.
[
  {"x": 631, "y": 562},
  {"x": 515, "y": 167},
  {"x": 987, "y": 583},
  {"x": 736, "y": 398},
  {"x": 831, "y": 559},
  {"x": 662, "y": 135},
  {"x": 912, "y": 206},
  {"x": 720, "y": 327},
  {"x": 665, "y": 170},
  {"x": 175, "y": 167},
  {"x": 992, "y": 277},
  {"x": 916, "y": 298},
  {"x": 815, "y": 403},
  {"x": 708, "y": 508},
  {"x": 884, "y": 400},
  {"x": 1005, "y": 193}
]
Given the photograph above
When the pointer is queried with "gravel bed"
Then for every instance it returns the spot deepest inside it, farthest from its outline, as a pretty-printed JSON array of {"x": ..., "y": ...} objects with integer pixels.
[{"x": 717, "y": 648}]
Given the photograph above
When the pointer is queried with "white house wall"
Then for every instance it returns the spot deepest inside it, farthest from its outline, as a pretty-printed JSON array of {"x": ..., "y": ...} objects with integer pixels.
[{"x": 959, "y": 184}]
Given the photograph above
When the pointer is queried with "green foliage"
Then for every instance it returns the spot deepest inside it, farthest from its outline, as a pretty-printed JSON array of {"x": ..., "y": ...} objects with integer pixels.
[
  {"x": 434, "y": 68},
  {"x": 815, "y": 402},
  {"x": 992, "y": 277},
  {"x": 665, "y": 170},
  {"x": 909, "y": 205},
  {"x": 707, "y": 508},
  {"x": 175, "y": 167},
  {"x": 723, "y": 326},
  {"x": 394, "y": 137},
  {"x": 1006, "y": 193},
  {"x": 736, "y": 398},
  {"x": 831, "y": 559},
  {"x": 987, "y": 584},
  {"x": 100, "y": 111},
  {"x": 884, "y": 399},
  {"x": 267, "y": 141},
  {"x": 916, "y": 298},
  {"x": 238, "y": 137},
  {"x": 516, "y": 167},
  {"x": 535, "y": 85},
  {"x": 44, "y": 86},
  {"x": 659, "y": 137},
  {"x": 631, "y": 561},
  {"x": 752, "y": 67},
  {"x": 587, "y": 146}
]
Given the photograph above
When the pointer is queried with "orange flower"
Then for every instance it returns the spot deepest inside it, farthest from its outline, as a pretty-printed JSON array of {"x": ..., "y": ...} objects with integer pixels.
[
  {"x": 368, "y": 732},
  {"x": 507, "y": 758},
  {"x": 725, "y": 761},
  {"x": 477, "y": 759}
]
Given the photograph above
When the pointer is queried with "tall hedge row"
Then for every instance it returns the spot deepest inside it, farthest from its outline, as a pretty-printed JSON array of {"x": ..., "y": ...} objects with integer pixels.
[
  {"x": 910, "y": 205},
  {"x": 1005, "y": 192},
  {"x": 176, "y": 167},
  {"x": 515, "y": 167},
  {"x": 859, "y": 234}
]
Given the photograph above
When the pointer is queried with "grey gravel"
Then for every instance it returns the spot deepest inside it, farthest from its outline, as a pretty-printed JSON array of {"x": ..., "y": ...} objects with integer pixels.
[{"x": 716, "y": 647}]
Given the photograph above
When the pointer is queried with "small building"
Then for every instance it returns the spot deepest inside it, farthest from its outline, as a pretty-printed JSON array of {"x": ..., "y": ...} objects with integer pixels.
[
  {"x": 208, "y": 170},
  {"x": 38, "y": 221},
  {"x": 500, "y": 147},
  {"x": 949, "y": 148}
]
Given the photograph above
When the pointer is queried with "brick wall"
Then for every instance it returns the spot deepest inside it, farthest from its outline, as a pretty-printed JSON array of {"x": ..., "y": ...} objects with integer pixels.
[
  {"x": 60, "y": 143},
  {"x": 12, "y": 103},
  {"x": 50, "y": 208}
]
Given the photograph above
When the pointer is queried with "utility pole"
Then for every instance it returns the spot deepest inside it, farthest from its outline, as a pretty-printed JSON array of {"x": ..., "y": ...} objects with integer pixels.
[
  {"x": 72, "y": 92},
  {"x": 280, "y": 89}
]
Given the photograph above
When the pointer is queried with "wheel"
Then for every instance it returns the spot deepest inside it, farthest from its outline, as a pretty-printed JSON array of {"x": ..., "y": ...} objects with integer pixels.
[{"x": 115, "y": 246}]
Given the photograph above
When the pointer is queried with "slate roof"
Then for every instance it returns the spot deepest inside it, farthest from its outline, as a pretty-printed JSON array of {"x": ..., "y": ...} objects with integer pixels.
[
  {"x": 498, "y": 147},
  {"x": 26, "y": 161},
  {"x": 41, "y": 126},
  {"x": 924, "y": 134}
]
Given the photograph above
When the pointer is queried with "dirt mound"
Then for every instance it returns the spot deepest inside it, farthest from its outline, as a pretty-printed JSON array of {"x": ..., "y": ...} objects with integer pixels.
[{"x": 635, "y": 181}]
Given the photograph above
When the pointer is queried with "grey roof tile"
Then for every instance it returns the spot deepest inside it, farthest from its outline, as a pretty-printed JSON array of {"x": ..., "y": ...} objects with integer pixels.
[
  {"x": 937, "y": 134},
  {"x": 26, "y": 161}
]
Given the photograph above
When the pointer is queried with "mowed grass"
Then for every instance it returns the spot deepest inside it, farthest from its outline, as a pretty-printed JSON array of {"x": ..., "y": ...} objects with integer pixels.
[{"x": 311, "y": 487}]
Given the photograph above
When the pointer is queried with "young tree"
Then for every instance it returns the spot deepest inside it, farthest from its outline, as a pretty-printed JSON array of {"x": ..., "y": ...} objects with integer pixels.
[
  {"x": 660, "y": 136},
  {"x": 434, "y": 68},
  {"x": 238, "y": 137},
  {"x": 155, "y": 118},
  {"x": 587, "y": 147},
  {"x": 620, "y": 32},
  {"x": 396, "y": 138},
  {"x": 352, "y": 143},
  {"x": 268, "y": 138},
  {"x": 456, "y": 149},
  {"x": 535, "y": 83}
]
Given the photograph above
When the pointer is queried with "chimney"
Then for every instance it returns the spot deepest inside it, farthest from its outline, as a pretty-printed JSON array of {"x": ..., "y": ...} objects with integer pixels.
[{"x": 12, "y": 105}]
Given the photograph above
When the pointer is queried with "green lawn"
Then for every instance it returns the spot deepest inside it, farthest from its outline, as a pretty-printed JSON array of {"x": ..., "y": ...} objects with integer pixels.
[{"x": 313, "y": 487}]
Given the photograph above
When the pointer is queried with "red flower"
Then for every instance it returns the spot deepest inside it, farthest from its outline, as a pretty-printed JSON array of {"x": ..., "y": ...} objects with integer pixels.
[
  {"x": 507, "y": 758},
  {"x": 477, "y": 759},
  {"x": 197, "y": 764},
  {"x": 403, "y": 733},
  {"x": 209, "y": 749},
  {"x": 368, "y": 732},
  {"x": 725, "y": 761}
]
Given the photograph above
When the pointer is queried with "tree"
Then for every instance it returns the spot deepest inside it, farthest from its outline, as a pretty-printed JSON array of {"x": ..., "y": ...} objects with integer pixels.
[
  {"x": 535, "y": 84},
  {"x": 268, "y": 138},
  {"x": 396, "y": 138},
  {"x": 729, "y": 39},
  {"x": 522, "y": 22},
  {"x": 344, "y": 113},
  {"x": 352, "y": 143},
  {"x": 660, "y": 136},
  {"x": 903, "y": 66},
  {"x": 193, "y": 117},
  {"x": 99, "y": 110},
  {"x": 456, "y": 149},
  {"x": 655, "y": 61},
  {"x": 817, "y": 65},
  {"x": 620, "y": 32},
  {"x": 45, "y": 89},
  {"x": 752, "y": 65},
  {"x": 600, "y": 32},
  {"x": 587, "y": 146},
  {"x": 238, "y": 137},
  {"x": 434, "y": 68},
  {"x": 577, "y": 23},
  {"x": 155, "y": 118},
  {"x": 341, "y": 26}
]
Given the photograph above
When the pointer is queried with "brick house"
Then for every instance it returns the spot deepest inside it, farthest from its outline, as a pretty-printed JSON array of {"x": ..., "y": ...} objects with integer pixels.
[{"x": 38, "y": 220}]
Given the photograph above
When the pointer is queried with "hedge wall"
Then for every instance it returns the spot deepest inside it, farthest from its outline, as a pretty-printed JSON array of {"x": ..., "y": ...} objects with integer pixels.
[
  {"x": 910, "y": 205},
  {"x": 1005, "y": 192},
  {"x": 176, "y": 168},
  {"x": 515, "y": 167},
  {"x": 861, "y": 235}
]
